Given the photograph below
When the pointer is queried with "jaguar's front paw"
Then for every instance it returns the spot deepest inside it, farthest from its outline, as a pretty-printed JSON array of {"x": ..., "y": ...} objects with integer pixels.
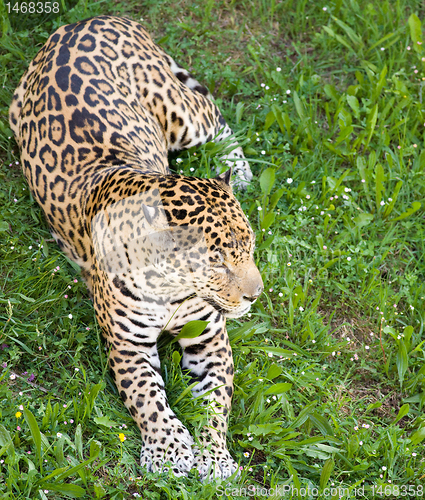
[
  {"x": 168, "y": 453},
  {"x": 214, "y": 463}
]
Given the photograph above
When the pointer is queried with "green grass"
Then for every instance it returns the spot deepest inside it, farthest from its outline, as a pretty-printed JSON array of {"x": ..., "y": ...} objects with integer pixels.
[{"x": 330, "y": 372}]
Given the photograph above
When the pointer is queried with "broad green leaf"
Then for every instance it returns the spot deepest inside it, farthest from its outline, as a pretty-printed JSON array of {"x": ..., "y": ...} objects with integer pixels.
[
  {"x": 381, "y": 41},
  {"x": 416, "y": 32},
  {"x": 7, "y": 448},
  {"x": 344, "y": 134},
  {"x": 273, "y": 371},
  {"x": 342, "y": 287},
  {"x": 354, "y": 37},
  {"x": 340, "y": 39},
  {"x": 278, "y": 388},
  {"x": 95, "y": 448},
  {"x": 176, "y": 358},
  {"x": 99, "y": 491},
  {"x": 266, "y": 243},
  {"x": 326, "y": 472},
  {"x": 79, "y": 440},
  {"x": 294, "y": 474},
  {"x": 239, "y": 111},
  {"x": 4, "y": 436},
  {"x": 69, "y": 490},
  {"x": 192, "y": 330},
  {"x": 276, "y": 196},
  {"x": 416, "y": 205},
  {"x": 402, "y": 362},
  {"x": 331, "y": 92},
  {"x": 270, "y": 119},
  {"x": 394, "y": 196},
  {"x": 299, "y": 105},
  {"x": 24, "y": 297},
  {"x": 354, "y": 105},
  {"x": 404, "y": 410},
  {"x": 279, "y": 118},
  {"x": 373, "y": 406},
  {"x": 54, "y": 473},
  {"x": 58, "y": 451},
  {"x": 73, "y": 470},
  {"x": 4, "y": 226},
  {"x": 105, "y": 421},
  {"x": 287, "y": 122},
  {"x": 371, "y": 123},
  {"x": 186, "y": 27},
  {"x": 381, "y": 82},
  {"x": 364, "y": 174},
  {"x": 418, "y": 436},
  {"x": 363, "y": 220},
  {"x": 267, "y": 180},
  {"x": 268, "y": 220},
  {"x": 321, "y": 424},
  {"x": 35, "y": 431},
  {"x": 266, "y": 429}
]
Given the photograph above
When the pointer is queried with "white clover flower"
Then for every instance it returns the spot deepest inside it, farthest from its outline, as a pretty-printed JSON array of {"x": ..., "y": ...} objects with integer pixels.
[
  {"x": 278, "y": 70},
  {"x": 289, "y": 180}
]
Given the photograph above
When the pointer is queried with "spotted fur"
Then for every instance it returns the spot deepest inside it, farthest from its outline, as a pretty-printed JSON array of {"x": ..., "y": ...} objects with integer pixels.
[{"x": 95, "y": 116}]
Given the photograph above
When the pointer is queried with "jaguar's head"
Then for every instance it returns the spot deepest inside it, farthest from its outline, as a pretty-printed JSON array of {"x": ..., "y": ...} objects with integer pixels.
[{"x": 216, "y": 243}]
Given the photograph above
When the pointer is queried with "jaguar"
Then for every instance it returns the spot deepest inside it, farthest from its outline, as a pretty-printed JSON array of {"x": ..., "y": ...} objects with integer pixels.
[{"x": 95, "y": 117}]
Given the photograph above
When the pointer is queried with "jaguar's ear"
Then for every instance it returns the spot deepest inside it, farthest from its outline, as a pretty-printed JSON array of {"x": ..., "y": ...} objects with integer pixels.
[{"x": 224, "y": 178}]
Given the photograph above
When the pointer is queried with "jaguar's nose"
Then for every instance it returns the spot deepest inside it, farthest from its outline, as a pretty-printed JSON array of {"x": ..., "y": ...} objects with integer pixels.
[{"x": 254, "y": 296}]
